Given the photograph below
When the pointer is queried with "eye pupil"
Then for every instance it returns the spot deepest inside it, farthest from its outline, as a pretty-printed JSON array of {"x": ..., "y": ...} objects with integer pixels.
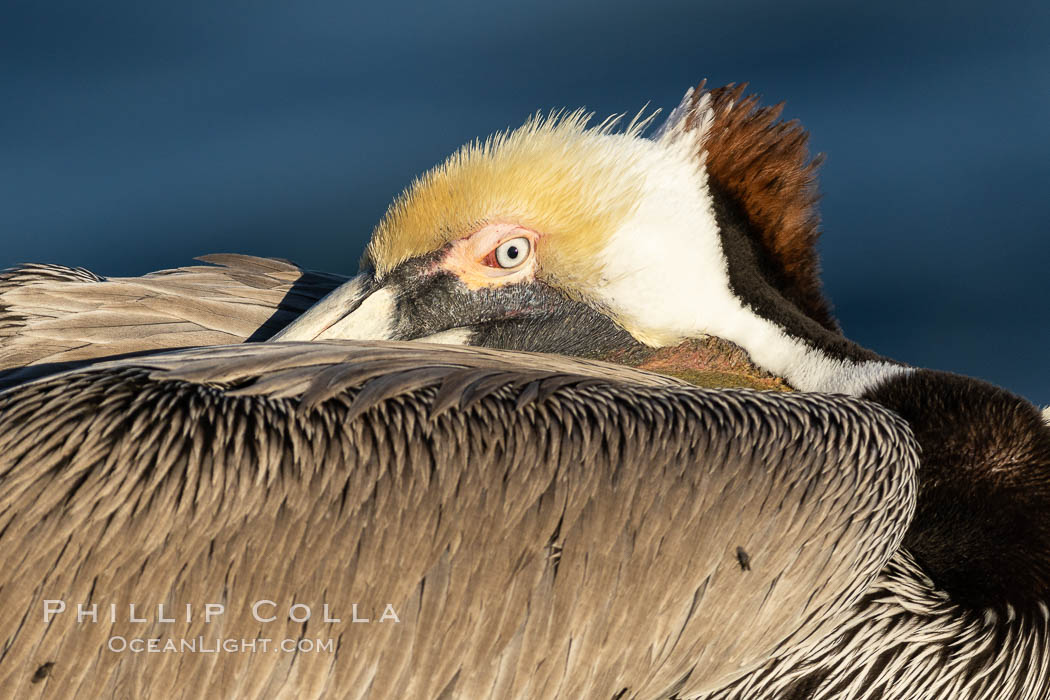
[{"x": 512, "y": 253}]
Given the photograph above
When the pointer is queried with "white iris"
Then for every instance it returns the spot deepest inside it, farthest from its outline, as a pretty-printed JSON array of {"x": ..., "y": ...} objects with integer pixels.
[{"x": 513, "y": 252}]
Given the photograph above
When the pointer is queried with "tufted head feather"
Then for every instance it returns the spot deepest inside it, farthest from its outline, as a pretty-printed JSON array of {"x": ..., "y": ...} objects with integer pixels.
[
  {"x": 573, "y": 183},
  {"x": 627, "y": 222}
]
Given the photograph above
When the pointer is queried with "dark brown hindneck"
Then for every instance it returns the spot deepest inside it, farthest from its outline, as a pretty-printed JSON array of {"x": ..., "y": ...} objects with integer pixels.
[
  {"x": 754, "y": 279},
  {"x": 763, "y": 165}
]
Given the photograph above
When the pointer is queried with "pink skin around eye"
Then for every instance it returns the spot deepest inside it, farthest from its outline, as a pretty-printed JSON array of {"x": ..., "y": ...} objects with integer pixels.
[{"x": 466, "y": 258}]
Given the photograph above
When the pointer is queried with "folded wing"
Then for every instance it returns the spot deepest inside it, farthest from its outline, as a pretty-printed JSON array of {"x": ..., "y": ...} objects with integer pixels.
[{"x": 541, "y": 526}]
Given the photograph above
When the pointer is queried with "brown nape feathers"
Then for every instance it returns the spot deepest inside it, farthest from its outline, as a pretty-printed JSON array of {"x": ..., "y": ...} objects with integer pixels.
[{"x": 763, "y": 166}]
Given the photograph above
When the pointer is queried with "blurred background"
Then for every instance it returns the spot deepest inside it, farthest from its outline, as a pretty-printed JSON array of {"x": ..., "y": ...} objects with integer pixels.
[{"x": 135, "y": 136}]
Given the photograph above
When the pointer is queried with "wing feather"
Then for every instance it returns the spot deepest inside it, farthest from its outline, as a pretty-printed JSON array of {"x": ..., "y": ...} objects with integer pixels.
[
  {"x": 559, "y": 528},
  {"x": 50, "y": 314}
]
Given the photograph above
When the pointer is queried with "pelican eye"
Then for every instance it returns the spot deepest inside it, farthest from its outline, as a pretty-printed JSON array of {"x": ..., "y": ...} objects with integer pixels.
[{"x": 512, "y": 253}]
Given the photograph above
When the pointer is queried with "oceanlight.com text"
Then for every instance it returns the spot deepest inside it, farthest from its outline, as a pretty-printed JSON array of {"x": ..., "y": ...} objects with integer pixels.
[{"x": 218, "y": 645}]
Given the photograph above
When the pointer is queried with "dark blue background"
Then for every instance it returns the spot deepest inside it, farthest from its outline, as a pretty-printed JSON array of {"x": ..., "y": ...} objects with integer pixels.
[{"x": 135, "y": 135}]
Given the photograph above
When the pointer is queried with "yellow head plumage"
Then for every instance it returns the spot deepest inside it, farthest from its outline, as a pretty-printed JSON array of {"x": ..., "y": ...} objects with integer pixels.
[{"x": 572, "y": 184}]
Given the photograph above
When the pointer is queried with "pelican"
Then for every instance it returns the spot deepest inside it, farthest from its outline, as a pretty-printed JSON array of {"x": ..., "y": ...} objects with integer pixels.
[{"x": 514, "y": 524}]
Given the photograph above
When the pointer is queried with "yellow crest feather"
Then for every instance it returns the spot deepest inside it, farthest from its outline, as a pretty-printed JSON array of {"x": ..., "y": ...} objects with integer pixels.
[{"x": 572, "y": 184}]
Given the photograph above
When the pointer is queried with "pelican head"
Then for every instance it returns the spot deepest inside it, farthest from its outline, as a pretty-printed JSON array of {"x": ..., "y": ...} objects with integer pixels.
[{"x": 568, "y": 237}]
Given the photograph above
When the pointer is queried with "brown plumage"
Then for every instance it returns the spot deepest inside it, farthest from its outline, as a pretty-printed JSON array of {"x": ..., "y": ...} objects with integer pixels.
[
  {"x": 907, "y": 639},
  {"x": 763, "y": 165},
  {"x": 530, "y": 511},
  {"x": 543, "y": 527}
]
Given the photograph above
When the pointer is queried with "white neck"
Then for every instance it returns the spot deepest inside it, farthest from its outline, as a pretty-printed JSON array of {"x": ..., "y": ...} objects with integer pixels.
[
  {"x": 803, "y": 365},
  {"x": 667, "y": 278}
]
